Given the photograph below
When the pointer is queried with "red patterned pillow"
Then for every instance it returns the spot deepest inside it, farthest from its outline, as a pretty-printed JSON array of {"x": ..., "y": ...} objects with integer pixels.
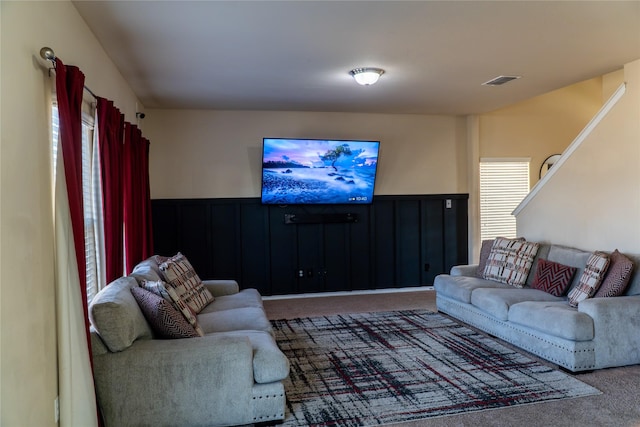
[
  {"x": 164, "y": 319},
  {"x": 617, "y": 278},
  {"x": 183, "y": 278},
  {"x": 591, "y": 278},
  {"x": 552, "y": 277}
]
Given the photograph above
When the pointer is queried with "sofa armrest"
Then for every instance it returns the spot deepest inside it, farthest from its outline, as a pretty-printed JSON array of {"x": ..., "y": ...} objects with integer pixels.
[
  {"x": 220, "y": 288},
  {"x": 616, "y": 323},
  {"x": 464, "y": 270},
  {"x": 188, "y": 381}
]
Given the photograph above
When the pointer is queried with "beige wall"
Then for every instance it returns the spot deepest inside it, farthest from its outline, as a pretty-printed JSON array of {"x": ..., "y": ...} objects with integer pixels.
[
  {"x": 610, "y": 83},
  {"x": 27, "y": 311},
  {"x": 593, "y": 199},
  {"x": 202, "y": 154},
  {"x": 541, "y": 126},
  {"x": 535, "y": 129}
]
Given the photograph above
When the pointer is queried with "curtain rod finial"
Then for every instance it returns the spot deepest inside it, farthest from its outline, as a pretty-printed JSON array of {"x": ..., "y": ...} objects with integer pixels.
[{"x": 47, "y": 53}]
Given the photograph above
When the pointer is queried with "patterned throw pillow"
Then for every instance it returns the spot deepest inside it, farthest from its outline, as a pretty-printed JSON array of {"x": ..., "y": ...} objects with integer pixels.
[
  {"x": 510, "y": 261},
  {"x": 552, "y": 277},
  {"x": 162, "y": 316},
  {"x": 618, "y": 276},
  {"x": 591, "y": 278},
  {"x": 485, "y": 250},
  {"x": 169, "y": 294},
  {"x": 183, "y": 278}
]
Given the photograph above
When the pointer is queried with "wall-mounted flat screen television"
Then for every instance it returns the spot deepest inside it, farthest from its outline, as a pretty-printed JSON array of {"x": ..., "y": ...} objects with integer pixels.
[{"x": 318, "y": 171}]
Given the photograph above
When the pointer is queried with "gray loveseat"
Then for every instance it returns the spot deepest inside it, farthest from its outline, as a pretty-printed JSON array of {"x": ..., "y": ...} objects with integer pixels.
[
  {"x": 232, "y": 375},
  {"x": 598, "y": 333}
]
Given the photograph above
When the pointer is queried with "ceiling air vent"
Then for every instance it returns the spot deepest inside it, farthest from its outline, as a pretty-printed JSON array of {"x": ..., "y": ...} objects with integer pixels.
[{"x": 500, "y": 80}]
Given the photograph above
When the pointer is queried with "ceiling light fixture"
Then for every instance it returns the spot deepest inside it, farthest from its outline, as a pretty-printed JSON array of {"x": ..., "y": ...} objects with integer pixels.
[{"x": 366, "y": 76}]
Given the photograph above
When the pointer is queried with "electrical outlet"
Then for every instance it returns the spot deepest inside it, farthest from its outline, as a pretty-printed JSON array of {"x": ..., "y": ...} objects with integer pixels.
[{"x": 56, "y": 409}]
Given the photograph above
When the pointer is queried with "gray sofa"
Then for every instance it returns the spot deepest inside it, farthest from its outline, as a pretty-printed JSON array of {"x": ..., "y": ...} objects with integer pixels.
[
  {"x": 599, "y": 333},
  {"x": 232, "y": 375}
]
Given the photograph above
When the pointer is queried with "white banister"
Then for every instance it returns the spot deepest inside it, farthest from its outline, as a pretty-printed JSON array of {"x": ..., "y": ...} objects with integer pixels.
[{"x": 573, "y": 146}]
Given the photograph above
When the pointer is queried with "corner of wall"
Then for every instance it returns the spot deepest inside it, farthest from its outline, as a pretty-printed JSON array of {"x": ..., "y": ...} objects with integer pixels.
[{"x": 591, "y": 201}]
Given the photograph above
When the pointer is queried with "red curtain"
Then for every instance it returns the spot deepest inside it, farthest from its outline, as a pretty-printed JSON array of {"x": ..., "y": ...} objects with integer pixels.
[
  {"x": 110, "y": 139},
  {"x": 69, "y": 90},
  {"x": 137, "y": 202}
]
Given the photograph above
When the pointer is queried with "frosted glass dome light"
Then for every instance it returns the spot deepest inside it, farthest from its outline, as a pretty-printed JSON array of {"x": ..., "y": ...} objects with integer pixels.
[{"x": 366, "y": 76}]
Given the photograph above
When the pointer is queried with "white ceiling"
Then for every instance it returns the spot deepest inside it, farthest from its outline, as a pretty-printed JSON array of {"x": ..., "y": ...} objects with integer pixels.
[{"x": 296, "y": 55}]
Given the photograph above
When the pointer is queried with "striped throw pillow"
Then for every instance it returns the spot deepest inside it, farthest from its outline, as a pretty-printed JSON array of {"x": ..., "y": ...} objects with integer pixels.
[
  {"x": 591, "y": 278},
  {"x": 510, "y": 261},
  {"x": 183, "y": 279}
]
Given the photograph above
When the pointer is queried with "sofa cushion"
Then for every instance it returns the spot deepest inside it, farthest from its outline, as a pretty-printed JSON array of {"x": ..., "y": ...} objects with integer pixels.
[
  {"x": 591, "y": 278},
  {"x": 552, "y": 277},
  {"x": 497, "y": 302},
  {"x": 164, "y": 319},
  {"x": 237, "y": 319},
  {"x": 168, "y": 293},
  {"x": 243, "y": 299},
  {"x": 116, "y": 316},
  {"x": 617, "y": 278},
  {"x": 148, "y": 269},
  {"x": 510, "y": 261},
  {"x": 269, "y": 363},
  {"x": 459, "y": 288},
  {"x": 179, "y": 273},
  {"x": 553, "y": 318}
]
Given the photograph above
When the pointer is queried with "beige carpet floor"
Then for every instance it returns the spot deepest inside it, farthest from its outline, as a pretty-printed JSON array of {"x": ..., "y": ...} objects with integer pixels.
[{"x": 618, "y": 405}]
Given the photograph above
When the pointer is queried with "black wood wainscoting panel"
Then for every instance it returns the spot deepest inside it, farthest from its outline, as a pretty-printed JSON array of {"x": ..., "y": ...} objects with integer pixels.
[{"x": 397, "y": 241}]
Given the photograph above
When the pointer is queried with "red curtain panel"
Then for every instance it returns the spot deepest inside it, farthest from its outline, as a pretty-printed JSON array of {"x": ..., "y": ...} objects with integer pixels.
[
  {"x": 69, "y": 90},
  {"x": 110, "y": 143},
  {"x": 137, "y": 203}
]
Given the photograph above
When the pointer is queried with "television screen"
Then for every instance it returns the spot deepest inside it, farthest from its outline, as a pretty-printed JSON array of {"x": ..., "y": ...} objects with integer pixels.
[{"x": 318, "y": 171}]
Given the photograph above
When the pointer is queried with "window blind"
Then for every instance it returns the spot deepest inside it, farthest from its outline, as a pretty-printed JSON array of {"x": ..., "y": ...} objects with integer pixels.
[
  {"x": 503, "y": 185},
  {"x": 92, "y": 213}
]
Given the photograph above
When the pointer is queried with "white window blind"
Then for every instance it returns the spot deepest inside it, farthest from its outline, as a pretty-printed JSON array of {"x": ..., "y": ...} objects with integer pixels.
[
  {"x": 90, "y": 185},
  {"x": 503, "y": 185}
]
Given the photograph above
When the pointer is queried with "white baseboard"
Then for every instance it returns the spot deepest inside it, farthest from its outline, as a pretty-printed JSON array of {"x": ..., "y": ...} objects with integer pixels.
[{"x": 345, "y": 293}]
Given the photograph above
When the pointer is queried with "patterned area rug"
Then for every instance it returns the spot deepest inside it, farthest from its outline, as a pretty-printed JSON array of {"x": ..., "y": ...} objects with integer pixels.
[{"x": 381, "y": 368}]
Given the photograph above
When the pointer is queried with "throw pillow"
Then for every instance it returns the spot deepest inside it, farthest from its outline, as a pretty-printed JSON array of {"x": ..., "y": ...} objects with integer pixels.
[
  {"x": 168, "y": 293},
  {"x": 591, "y": 278},
  {"x": 159, "y": 259},
  {"x": 552, "y": 277},
  {"x": 162, "y": 316},
  {"x": 159, "y": 288},
  {"x": 485, "y": 250},
  {"x": 510, "y": 261},
  {"x": 183, "y": 278},
  {"x": 617, "y": 278}
]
